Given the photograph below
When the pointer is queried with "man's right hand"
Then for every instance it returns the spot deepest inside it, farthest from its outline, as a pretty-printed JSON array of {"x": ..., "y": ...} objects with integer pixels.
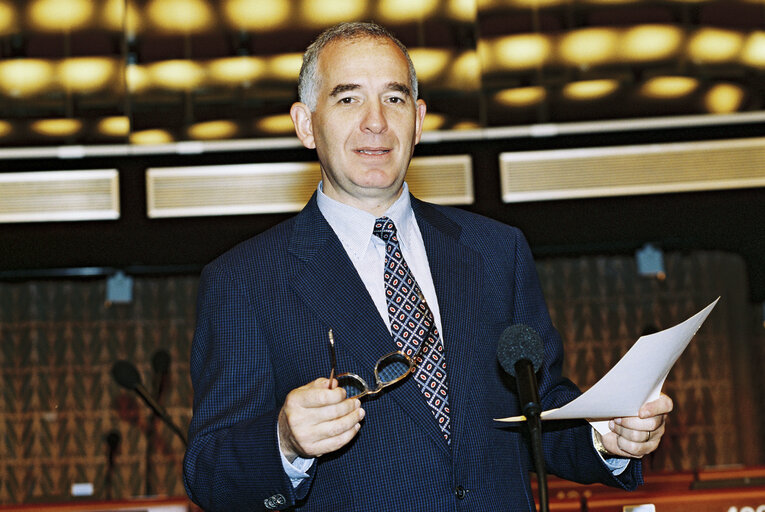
[{"x": 315, "y": 420}]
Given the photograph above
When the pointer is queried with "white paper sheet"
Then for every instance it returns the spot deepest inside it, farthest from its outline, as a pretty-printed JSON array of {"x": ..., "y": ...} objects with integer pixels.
[{"x": 637, "y": 377}]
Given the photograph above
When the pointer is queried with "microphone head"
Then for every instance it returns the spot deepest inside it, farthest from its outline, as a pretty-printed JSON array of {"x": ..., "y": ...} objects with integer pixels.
[
  {"x": 519, "y": 342},
  {"x": 113, "y": 439},
  {"x": 160, "y": 361},
  {"x": 126, "y": 374}
]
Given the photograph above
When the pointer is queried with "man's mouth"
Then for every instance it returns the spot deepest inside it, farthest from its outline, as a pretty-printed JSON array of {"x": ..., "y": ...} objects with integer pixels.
[{"x": 372, "y": 152}]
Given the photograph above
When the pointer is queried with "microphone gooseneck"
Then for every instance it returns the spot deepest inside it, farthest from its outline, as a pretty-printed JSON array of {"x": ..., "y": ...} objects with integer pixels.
[
  {"x": 126, "y": 375},
  {"x": 160, "y": 361}
]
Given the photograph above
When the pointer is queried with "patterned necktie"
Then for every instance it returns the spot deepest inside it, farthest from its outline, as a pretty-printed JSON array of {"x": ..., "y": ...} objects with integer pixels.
[{"x": 411, "y": 322}]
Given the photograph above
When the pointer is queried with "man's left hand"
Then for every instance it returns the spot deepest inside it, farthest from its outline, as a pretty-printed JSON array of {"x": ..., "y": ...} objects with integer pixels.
[{"x": 635, "y": 436}]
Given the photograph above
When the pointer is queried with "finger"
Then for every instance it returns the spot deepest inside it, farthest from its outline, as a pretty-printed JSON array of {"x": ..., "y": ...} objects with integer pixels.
[
  {"x": 662, "y": 405},
  {"x": 635, "y": 423},
  {"x": 316, "y": 394},
  {"x": 634, "y": 443},
  {"x": 318, "y": 439},
  {"x": 634, "y": 435},
  {"x": 340, "y": 425},
  {"x": 310, "y": 417},
  {"x": 331, "y": 444}
]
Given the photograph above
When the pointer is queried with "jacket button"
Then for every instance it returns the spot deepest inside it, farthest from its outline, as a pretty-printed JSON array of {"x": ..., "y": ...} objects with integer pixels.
[
  {"x": 274, "y": 501},
  {"x": 460, "y": 492}
]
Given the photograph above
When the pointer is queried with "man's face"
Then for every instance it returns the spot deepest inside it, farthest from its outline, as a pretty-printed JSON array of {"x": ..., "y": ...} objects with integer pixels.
[{"x": 366, "y": 122}]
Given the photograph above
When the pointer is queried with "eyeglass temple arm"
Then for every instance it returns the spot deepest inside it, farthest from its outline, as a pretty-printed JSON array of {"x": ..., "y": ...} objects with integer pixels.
[{"x": 332, "y": 360}]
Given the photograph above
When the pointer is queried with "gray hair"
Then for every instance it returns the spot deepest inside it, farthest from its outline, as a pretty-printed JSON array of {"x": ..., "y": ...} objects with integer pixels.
[{"x": 308, "y": 81}]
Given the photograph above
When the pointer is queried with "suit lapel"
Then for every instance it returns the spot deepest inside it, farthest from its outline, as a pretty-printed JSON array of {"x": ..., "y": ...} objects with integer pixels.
[
  {"x": 456, "y": 277},
  {"x": 327, "y": 282}
]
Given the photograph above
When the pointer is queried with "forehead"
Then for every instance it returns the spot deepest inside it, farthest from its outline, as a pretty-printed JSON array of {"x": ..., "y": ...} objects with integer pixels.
[{"x": 362, "y": 57}]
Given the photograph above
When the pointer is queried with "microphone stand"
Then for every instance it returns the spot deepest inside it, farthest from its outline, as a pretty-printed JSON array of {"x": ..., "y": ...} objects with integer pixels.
[
  {"x": 160, "y": 362},
  {"x": 533, "y": 410},
  {"x": 112, "y": 441}
]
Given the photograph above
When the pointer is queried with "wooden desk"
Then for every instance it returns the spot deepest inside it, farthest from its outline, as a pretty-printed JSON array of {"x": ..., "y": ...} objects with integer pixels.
[
  {"x": 703, "y": 500},
  {"x": 179, "y": 504}
]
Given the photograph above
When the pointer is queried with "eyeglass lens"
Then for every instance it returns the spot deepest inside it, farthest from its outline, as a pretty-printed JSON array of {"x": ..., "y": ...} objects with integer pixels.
[{"x": 388, "y": 370}]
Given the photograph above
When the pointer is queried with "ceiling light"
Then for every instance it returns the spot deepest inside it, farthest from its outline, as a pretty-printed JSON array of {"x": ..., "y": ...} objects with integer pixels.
[
  {"x": 184, "y": 16},
  {"x": 715, "y": 45},
  {"x": 285, "y": 67},
  {"x": 5, "y": 128},
  {"x": 466, "y": 125},
  {"x": 56, "y": 127},
  {"x": 119, "y": 15},
  {"x": 400, "y": 11},
  {"x": 324, "y": 13},
  {"x": 522, "y": 51},
  {"x": 146, "y": 137},
  {"x": 533, "y": 4},
  {"x": 137, "y": 78},
  {"x": 433, "y": 122},
  {"x": 87, "y": 74},
  {"x": 213, "y": 130},
  {"x": 465, "y": 72},
  {"x": 588, "y": 47},
  {"x": 280, "y": 124},
  {"x": 429, "y": 62},
  {"x": 650, "y": 42},
  {"x": 8, "y": 18},
  {"x": 613, "y": 2},
  {"x": 57, "y": 15},
  {"x": 256, "y": 14},
  {"x": 176, "y": 75},
  {"x": 724, "y": 98},
  {"x": 462, "y": 10},
  {"x": 521, "y": 96},
  {"x": 669, "y": 87},
  {"x": 236, "y": 70},
  {"x": 590, "y": 89},
  {"x": 25, "y": 77},
  {"x": 116, "y": 126},
  {"x": 753, "y": 53}
]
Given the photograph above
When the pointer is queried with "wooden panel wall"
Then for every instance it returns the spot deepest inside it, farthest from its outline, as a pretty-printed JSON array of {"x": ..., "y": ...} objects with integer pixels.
[{"x": 58, "y": 341}]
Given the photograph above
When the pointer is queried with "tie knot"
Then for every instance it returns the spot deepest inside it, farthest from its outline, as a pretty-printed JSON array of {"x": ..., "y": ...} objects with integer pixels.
[{"x": 384, "y": 229}]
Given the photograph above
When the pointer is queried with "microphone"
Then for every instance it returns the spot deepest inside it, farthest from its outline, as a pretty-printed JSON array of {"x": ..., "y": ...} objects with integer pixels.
[
  {"x": 160, "y": 362},
  {"x": 520, "y": 353},
  {"x": 127, "y": 376},
  {"x": 112, "y": 440}
]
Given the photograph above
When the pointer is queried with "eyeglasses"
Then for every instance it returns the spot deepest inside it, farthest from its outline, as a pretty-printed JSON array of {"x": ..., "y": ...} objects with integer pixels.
[{"x": 390, "y": 369}]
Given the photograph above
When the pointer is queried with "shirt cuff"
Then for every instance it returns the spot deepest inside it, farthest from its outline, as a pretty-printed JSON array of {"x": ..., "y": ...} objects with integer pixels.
[
  {"x": 297, "y": 469},
  {"x": 615, "y": 464}
]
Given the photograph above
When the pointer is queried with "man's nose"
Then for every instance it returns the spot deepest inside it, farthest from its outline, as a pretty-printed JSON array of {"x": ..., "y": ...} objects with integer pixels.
[{"x": 374, "y": 118}]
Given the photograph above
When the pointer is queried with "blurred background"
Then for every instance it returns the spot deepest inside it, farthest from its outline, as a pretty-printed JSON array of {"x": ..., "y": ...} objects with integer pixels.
[{"x": 140, "y": 139}]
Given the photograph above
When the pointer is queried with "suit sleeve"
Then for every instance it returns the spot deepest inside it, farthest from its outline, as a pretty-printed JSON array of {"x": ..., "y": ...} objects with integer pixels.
[
  {"x": 233, "y": 462},
  {"x": 567, "y": 445}
]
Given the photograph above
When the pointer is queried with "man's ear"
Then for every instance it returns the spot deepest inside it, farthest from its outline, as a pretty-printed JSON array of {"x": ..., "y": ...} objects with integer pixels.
[
  {"x": 301, "y": 118},
  {"x": 419, "y": 120}
]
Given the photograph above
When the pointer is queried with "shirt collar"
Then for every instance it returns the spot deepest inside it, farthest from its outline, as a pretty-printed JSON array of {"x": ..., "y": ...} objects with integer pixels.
[{"x": 354, "y": 226}]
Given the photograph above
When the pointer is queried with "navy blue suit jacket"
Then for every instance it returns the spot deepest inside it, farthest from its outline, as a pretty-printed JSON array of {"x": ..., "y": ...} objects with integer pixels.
[{"x": 263, "y": 314}]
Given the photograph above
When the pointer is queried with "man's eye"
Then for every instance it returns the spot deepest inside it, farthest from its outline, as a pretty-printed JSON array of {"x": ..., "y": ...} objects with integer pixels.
[
  {"x": 346, "y": 100},
  {"x": 396, "y": 99}
]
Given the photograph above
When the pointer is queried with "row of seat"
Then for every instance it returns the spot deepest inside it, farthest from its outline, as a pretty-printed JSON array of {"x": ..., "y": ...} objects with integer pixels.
[{"x": 740, "y": 489}]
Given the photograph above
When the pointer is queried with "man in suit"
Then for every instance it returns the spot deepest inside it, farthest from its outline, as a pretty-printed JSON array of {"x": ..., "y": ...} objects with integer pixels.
[{"x": 271, "y": 431}]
